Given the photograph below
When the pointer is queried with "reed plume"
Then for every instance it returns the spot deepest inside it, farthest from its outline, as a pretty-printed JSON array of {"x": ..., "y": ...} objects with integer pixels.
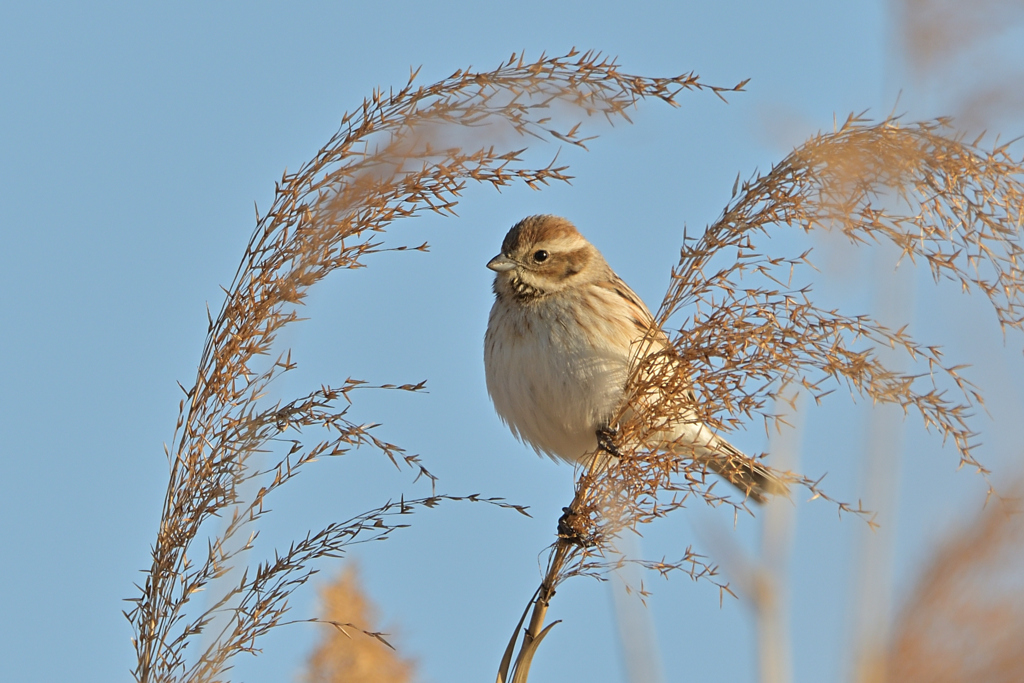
[
  {"x": 401, "y": 153},
  {"x": 746, "y": 328},
  {"x": 749, "y": 333}
]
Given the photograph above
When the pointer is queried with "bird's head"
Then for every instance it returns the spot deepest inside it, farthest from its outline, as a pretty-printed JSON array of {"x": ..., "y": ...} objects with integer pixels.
[{"x": 542, "y": 255}]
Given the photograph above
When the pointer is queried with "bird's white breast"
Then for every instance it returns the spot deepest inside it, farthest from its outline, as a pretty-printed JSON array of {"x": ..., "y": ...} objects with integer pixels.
[{"x": 553, "y": 383}]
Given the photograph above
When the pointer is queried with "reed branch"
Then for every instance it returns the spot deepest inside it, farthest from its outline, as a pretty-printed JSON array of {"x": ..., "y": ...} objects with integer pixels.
[
  {"x": 751, "y": 332},
  {"x": 403, "y": 152}
]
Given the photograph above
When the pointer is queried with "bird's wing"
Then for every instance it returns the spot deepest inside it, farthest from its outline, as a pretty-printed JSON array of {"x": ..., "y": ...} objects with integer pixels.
[
  {"x": 651, "y": 338},
  {"x": 749, "y": 475}
]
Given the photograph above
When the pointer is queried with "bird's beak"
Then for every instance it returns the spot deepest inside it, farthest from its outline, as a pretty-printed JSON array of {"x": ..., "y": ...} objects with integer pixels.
[{"x": 501, "y": 264}]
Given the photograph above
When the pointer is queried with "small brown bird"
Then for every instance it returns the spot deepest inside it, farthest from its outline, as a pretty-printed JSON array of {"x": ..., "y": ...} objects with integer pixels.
[{"x": 557, "y": 353}]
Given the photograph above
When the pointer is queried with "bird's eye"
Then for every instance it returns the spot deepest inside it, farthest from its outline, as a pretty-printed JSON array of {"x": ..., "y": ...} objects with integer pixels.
[{"x": 540, "y": 256}]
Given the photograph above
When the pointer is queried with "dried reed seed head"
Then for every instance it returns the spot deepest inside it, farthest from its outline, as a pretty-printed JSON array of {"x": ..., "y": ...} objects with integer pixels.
[
  {"x": 380, "y": 166},
  {"x": 743, "y": 345}
]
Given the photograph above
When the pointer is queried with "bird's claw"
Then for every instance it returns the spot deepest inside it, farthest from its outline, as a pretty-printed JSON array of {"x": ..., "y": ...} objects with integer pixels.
[
  {"x": 572, "y": 527},
  {"x": 606, "y": 441}
]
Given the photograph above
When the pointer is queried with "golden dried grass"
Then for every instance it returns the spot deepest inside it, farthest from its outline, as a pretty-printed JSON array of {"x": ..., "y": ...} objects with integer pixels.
[
  {"x": 748, "y": 333},
  {"x": 403, "y": 152}
]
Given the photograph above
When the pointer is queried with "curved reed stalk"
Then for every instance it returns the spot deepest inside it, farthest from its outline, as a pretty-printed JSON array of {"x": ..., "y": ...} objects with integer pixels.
[
  {"x": 749, "y": 333},
  {"x": 401, "y": 153}
]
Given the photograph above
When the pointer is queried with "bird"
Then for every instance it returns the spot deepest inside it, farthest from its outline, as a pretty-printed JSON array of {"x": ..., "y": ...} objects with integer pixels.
[{"x": 561, "y": 338}]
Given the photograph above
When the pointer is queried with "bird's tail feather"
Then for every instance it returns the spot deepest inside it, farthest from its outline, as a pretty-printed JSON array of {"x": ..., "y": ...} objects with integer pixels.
[{"x": 753, "y": 478}]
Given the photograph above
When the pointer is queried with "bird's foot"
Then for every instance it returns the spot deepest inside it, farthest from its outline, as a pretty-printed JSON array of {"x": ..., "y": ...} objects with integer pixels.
[
  {"x": 606, "y": 441},
  {"x": 572, "y": 526}
]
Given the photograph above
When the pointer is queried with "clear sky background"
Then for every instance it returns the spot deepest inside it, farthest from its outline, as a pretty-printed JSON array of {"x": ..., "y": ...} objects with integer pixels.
[{"x": 135, "y": 139}]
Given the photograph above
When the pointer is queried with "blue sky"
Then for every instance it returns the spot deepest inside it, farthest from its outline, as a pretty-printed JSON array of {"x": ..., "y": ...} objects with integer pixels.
[{"x": 136, "y": 139}]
